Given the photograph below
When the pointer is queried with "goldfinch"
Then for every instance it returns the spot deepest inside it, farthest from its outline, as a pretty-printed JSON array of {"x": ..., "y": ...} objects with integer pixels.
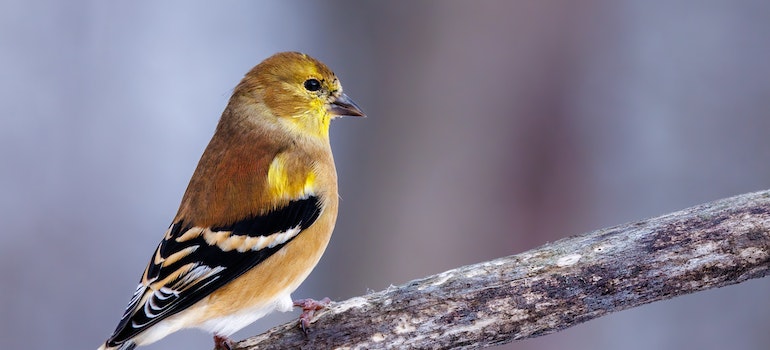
[{"x": 258, "y": 212}]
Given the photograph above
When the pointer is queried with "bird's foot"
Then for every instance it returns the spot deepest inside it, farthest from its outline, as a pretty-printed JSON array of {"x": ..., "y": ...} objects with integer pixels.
[
  {"x": 309, "y": 307},
  {"x": 223, "y": 343}
]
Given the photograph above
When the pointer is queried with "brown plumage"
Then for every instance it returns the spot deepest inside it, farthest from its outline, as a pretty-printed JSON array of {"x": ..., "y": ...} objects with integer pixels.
[{"x": 258, "y": 212}]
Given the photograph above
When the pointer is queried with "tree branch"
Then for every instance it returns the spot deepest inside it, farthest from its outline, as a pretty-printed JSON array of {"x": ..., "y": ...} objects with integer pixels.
[{"x": 552, "y": 287}]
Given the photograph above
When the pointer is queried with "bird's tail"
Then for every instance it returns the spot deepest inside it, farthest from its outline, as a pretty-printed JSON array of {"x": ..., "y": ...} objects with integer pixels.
[{"x": 128, "y": 345}]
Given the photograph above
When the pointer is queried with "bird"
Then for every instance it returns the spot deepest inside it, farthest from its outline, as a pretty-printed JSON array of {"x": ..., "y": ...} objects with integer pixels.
[{"x": 257, "y": 214}]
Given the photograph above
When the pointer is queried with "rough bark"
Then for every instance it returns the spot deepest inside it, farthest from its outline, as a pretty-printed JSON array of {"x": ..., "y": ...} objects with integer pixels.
[{"x": 552, "y": 287}]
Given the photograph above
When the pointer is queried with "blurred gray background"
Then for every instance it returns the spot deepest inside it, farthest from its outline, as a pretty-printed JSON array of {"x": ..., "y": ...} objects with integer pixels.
[{"x": 494, "y": 127}]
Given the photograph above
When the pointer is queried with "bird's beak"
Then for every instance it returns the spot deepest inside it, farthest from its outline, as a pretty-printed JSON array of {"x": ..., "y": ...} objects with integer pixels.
[{"x": 343, "y": 106}]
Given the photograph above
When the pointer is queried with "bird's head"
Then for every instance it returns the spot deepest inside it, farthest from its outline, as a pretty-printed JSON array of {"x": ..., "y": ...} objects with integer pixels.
[{"x": 300, "y": 91}]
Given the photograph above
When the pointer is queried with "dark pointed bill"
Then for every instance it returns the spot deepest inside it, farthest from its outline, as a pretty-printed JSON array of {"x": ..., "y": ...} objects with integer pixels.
[{"x": 343, "y": 106}]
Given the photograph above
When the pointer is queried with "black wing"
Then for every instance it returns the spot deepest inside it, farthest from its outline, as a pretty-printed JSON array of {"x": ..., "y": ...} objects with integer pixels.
[{"x": 192, "y": 262}]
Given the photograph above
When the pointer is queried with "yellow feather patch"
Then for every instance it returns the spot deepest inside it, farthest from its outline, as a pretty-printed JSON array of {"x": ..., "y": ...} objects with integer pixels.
[
  {"x": 309, "y": 184},
  {"x": 283, "y": 185},
  {"x": 314, "y": 121}
]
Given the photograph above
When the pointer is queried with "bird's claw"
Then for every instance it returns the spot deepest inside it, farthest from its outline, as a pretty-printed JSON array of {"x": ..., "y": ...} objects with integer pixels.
[
  {"x": 223, "y": 343},
  {"x": 309, "y": 307}
]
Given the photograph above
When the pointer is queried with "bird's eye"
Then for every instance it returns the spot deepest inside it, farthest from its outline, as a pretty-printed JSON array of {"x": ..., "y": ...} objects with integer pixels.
[{"x": 312, "y": 84}]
